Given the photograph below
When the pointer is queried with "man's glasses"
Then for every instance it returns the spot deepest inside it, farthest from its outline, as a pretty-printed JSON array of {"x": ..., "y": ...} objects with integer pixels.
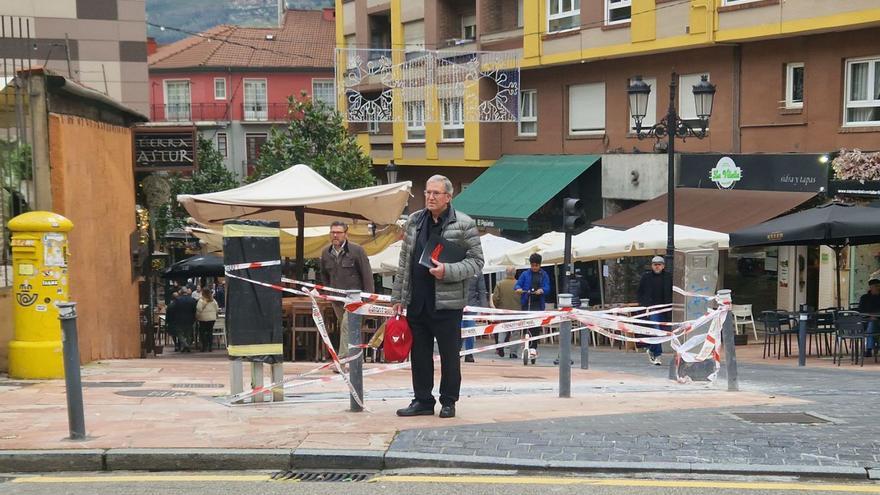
[
  {"x": 333, "y": 232},
  {"x": 433, "y": 194}
]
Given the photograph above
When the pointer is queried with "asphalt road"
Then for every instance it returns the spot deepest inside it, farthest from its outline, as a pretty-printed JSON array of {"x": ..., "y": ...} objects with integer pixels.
[{"x": 405, "y": 484}]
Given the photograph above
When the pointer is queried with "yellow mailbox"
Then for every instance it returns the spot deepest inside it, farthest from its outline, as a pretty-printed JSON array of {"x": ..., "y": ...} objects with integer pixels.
[{"x": 39, "y": 279}]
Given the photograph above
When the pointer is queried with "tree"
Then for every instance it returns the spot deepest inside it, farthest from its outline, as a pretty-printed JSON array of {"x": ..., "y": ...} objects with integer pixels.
[
  {"x": 211, "y": 176},
  {"x": 314, "y": 135}
]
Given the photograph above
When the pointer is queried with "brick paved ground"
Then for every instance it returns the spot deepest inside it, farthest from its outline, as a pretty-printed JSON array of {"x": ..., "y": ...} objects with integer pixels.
[{"x": 848, "y": 396}]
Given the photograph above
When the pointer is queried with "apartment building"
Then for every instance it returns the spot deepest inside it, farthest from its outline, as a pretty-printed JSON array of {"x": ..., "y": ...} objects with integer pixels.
[
  {"x": 232, "y": 83},
  {"x": 794, "y": 80},
  {"x": 101, "y": 44}
]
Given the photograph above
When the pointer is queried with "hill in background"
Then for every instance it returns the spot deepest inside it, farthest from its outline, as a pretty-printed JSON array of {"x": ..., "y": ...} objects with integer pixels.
[{"x": 198, "y": 15}]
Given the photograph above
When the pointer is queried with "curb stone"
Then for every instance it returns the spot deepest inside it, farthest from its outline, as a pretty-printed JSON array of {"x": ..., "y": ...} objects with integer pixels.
[
  {"x": 33, "y": 461},
  {"x": 90, "y": 460},
  {"x": 197, "y": 459}
]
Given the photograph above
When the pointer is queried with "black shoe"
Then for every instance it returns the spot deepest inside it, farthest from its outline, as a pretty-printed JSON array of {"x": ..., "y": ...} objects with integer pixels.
[
  {"x": 556, "y": 362},
  {"x": 500, "y": 352},
  {"x": 416, "y": 408},
  {"x": 186, "y": 349},
  {"x": 512, "y": 355},
  {"x": 447, "y": 411},
  {"x": 469, "y": 358},
  {"x": 533, "y": 361},
  {"x": 869, "y": 353}
]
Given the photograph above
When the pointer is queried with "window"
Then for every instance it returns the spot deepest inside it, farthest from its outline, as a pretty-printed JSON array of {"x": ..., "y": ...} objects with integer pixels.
[
  {"x": 324, "y": 90},
  {"x": 177, "y": 101},
  {"x": 452, "y": 116},
  {"x": 351, "y": 51},
  {"x": 519, "y": 13},
  {"x": 255, "y": 104},
  {"x": 687, "y": 107},
  {"x": 651, "y": 113},
  {"x": 794, "y": 85},
  {"x": 617, "y": 11},
  {"x": 468, "y": 27},
  {"x": 253, "y": 147},
  {"x": 414, "y": 39},
  {"x": 222, "y": 144},
  {"x": 373, "y": 126},
  {"x": 528, "y": 113},
  {"x": 586, "y": 108},
  {"x": 219, "y": 88},
  {"x": 563, "y": 14},
  {"x": 862, "y": 92},
  {"x": 415, "y": 120}
]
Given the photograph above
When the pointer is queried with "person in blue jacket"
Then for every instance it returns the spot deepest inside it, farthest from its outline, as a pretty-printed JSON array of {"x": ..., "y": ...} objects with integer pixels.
[{"x": 532, "y": 286}]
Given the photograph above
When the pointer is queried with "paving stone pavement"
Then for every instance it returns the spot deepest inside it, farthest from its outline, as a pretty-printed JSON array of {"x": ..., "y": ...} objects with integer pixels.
[{"x": 849, "y": 398}]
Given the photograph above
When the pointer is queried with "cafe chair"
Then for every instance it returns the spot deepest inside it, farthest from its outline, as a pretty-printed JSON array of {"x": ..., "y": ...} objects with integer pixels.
[
  {"x": 742, "y": 314},
  {"x": 777, "y": 333},
  {"x": 850, "y": 326}
]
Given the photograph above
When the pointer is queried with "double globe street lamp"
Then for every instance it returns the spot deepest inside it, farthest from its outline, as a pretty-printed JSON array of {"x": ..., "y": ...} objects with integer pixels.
[{"x": 670, "y": 127}]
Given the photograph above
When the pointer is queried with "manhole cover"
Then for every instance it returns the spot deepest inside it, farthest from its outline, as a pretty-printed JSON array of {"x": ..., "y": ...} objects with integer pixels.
[
  {"x": 320, "y": 476},
  {"x": 524, "y": 377},
  {"x": 799, "y": 418},
  {"x": 112, "y": 384},
  {"x": 198, "y": 385},
  {"x": 161, "y": 394}
]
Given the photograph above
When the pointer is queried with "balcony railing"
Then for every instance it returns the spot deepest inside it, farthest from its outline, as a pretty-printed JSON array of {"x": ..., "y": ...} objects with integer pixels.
[
  {"x": 264, "y": 112},
  {"x": 189, "y": 112}
]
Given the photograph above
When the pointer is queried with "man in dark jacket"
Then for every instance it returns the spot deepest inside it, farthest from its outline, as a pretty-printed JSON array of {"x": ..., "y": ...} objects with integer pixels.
[
  {"x": 344, "y": 265},
  {"x": 182, "y": 313},
  {"x": 869, "y": 304},
  {"x": 655, "y": 287},
  {"x": 435, "y": 297}
]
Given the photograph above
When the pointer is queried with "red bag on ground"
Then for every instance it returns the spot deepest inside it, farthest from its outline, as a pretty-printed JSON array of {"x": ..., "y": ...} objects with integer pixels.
[{"x": 398, "y": 340}]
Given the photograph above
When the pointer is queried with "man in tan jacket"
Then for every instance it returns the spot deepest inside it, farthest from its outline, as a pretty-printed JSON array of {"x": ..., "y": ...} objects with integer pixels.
[
  {"x": 344, "y": 265},
  {"x": 505, "y": 297}
]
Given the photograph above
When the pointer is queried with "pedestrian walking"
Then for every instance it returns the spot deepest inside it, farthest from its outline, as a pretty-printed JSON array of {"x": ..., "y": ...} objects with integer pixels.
[
  {"x": 655, "y": 287},
  {"x": 532, "y": 287},
  {"x": 184, "y": 311},
  {"x": 344, "y": 265},
  {"x": 206, "y": 314},
  {"x": 504, "y": 296},
  {"x": 477, "y": 296},
  {"x": 434, "y": 297}
]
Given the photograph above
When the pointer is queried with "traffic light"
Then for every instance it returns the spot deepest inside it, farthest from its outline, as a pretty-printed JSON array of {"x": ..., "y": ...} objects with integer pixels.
[{"x": 572, "y": 214}]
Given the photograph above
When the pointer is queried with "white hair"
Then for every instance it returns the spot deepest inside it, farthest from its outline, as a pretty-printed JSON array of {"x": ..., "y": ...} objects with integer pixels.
[{"x": 447, "y": 184}]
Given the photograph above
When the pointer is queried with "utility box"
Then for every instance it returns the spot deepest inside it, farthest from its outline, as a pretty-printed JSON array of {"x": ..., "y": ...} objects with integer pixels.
[{"x": 39, "y": 280}]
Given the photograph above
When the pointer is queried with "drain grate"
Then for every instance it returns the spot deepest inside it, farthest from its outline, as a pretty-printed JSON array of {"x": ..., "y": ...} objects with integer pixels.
[
  {"x": 112, "y": 384},
  {"x": 317, "y": 476},
  {"x": 197, "y": 385},
  {"x": 799, "y": 418},
  {"x": 157, "y": 394}
]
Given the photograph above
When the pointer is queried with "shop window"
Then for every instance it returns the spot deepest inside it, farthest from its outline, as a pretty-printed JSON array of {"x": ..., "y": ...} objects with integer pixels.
[
  {"x": 794, "y": 85},
  {"x": 862, "y": 106},
  {"x": 586, "y": 109}
]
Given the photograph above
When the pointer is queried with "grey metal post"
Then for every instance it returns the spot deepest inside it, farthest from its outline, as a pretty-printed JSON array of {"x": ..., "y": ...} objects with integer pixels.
[
  {"x": 236, "y": 377},
  {"x": 727, "y": 335},
  {"x": 564, "y": 301},
  {"x": 586, "y": 336},
  {"x": 257, "y": 380},
  {"x": 802, "y": 338},
  {"x": 277, "y": 378},
  {"x": 356, "y": 367},
  {"x": 72, "y": 381}
]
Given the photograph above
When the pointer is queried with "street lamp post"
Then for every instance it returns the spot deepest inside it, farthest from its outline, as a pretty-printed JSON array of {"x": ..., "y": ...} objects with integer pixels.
[{"x": 671, "y": 127}]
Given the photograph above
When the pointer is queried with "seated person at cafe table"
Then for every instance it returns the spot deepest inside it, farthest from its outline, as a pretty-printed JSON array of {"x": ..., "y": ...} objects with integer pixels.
[{"x": 869, "y": 304}]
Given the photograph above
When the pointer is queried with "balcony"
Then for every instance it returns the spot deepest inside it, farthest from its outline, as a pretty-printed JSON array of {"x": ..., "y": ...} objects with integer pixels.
[
  {"x": 264, "y": 112},
  {"x": 189, "y": 112}
]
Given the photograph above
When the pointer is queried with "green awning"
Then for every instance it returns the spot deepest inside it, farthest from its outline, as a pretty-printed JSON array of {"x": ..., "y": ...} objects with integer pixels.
[{"x": 505, "y": 195}]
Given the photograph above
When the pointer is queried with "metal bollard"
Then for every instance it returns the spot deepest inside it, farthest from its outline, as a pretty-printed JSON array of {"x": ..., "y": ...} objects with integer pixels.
[
  {"x": 803, "y": 318},
  {"x": 564, "y": 301},
  {"x": 72, "y": 380},
  {"x": 727, "y": 335},
  {"x": 585, "y": 341},
  {"x": 356, "y": 367}
]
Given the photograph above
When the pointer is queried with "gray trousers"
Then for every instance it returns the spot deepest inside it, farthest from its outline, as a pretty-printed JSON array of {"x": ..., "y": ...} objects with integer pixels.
[{"x": 342, "y": 321}]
